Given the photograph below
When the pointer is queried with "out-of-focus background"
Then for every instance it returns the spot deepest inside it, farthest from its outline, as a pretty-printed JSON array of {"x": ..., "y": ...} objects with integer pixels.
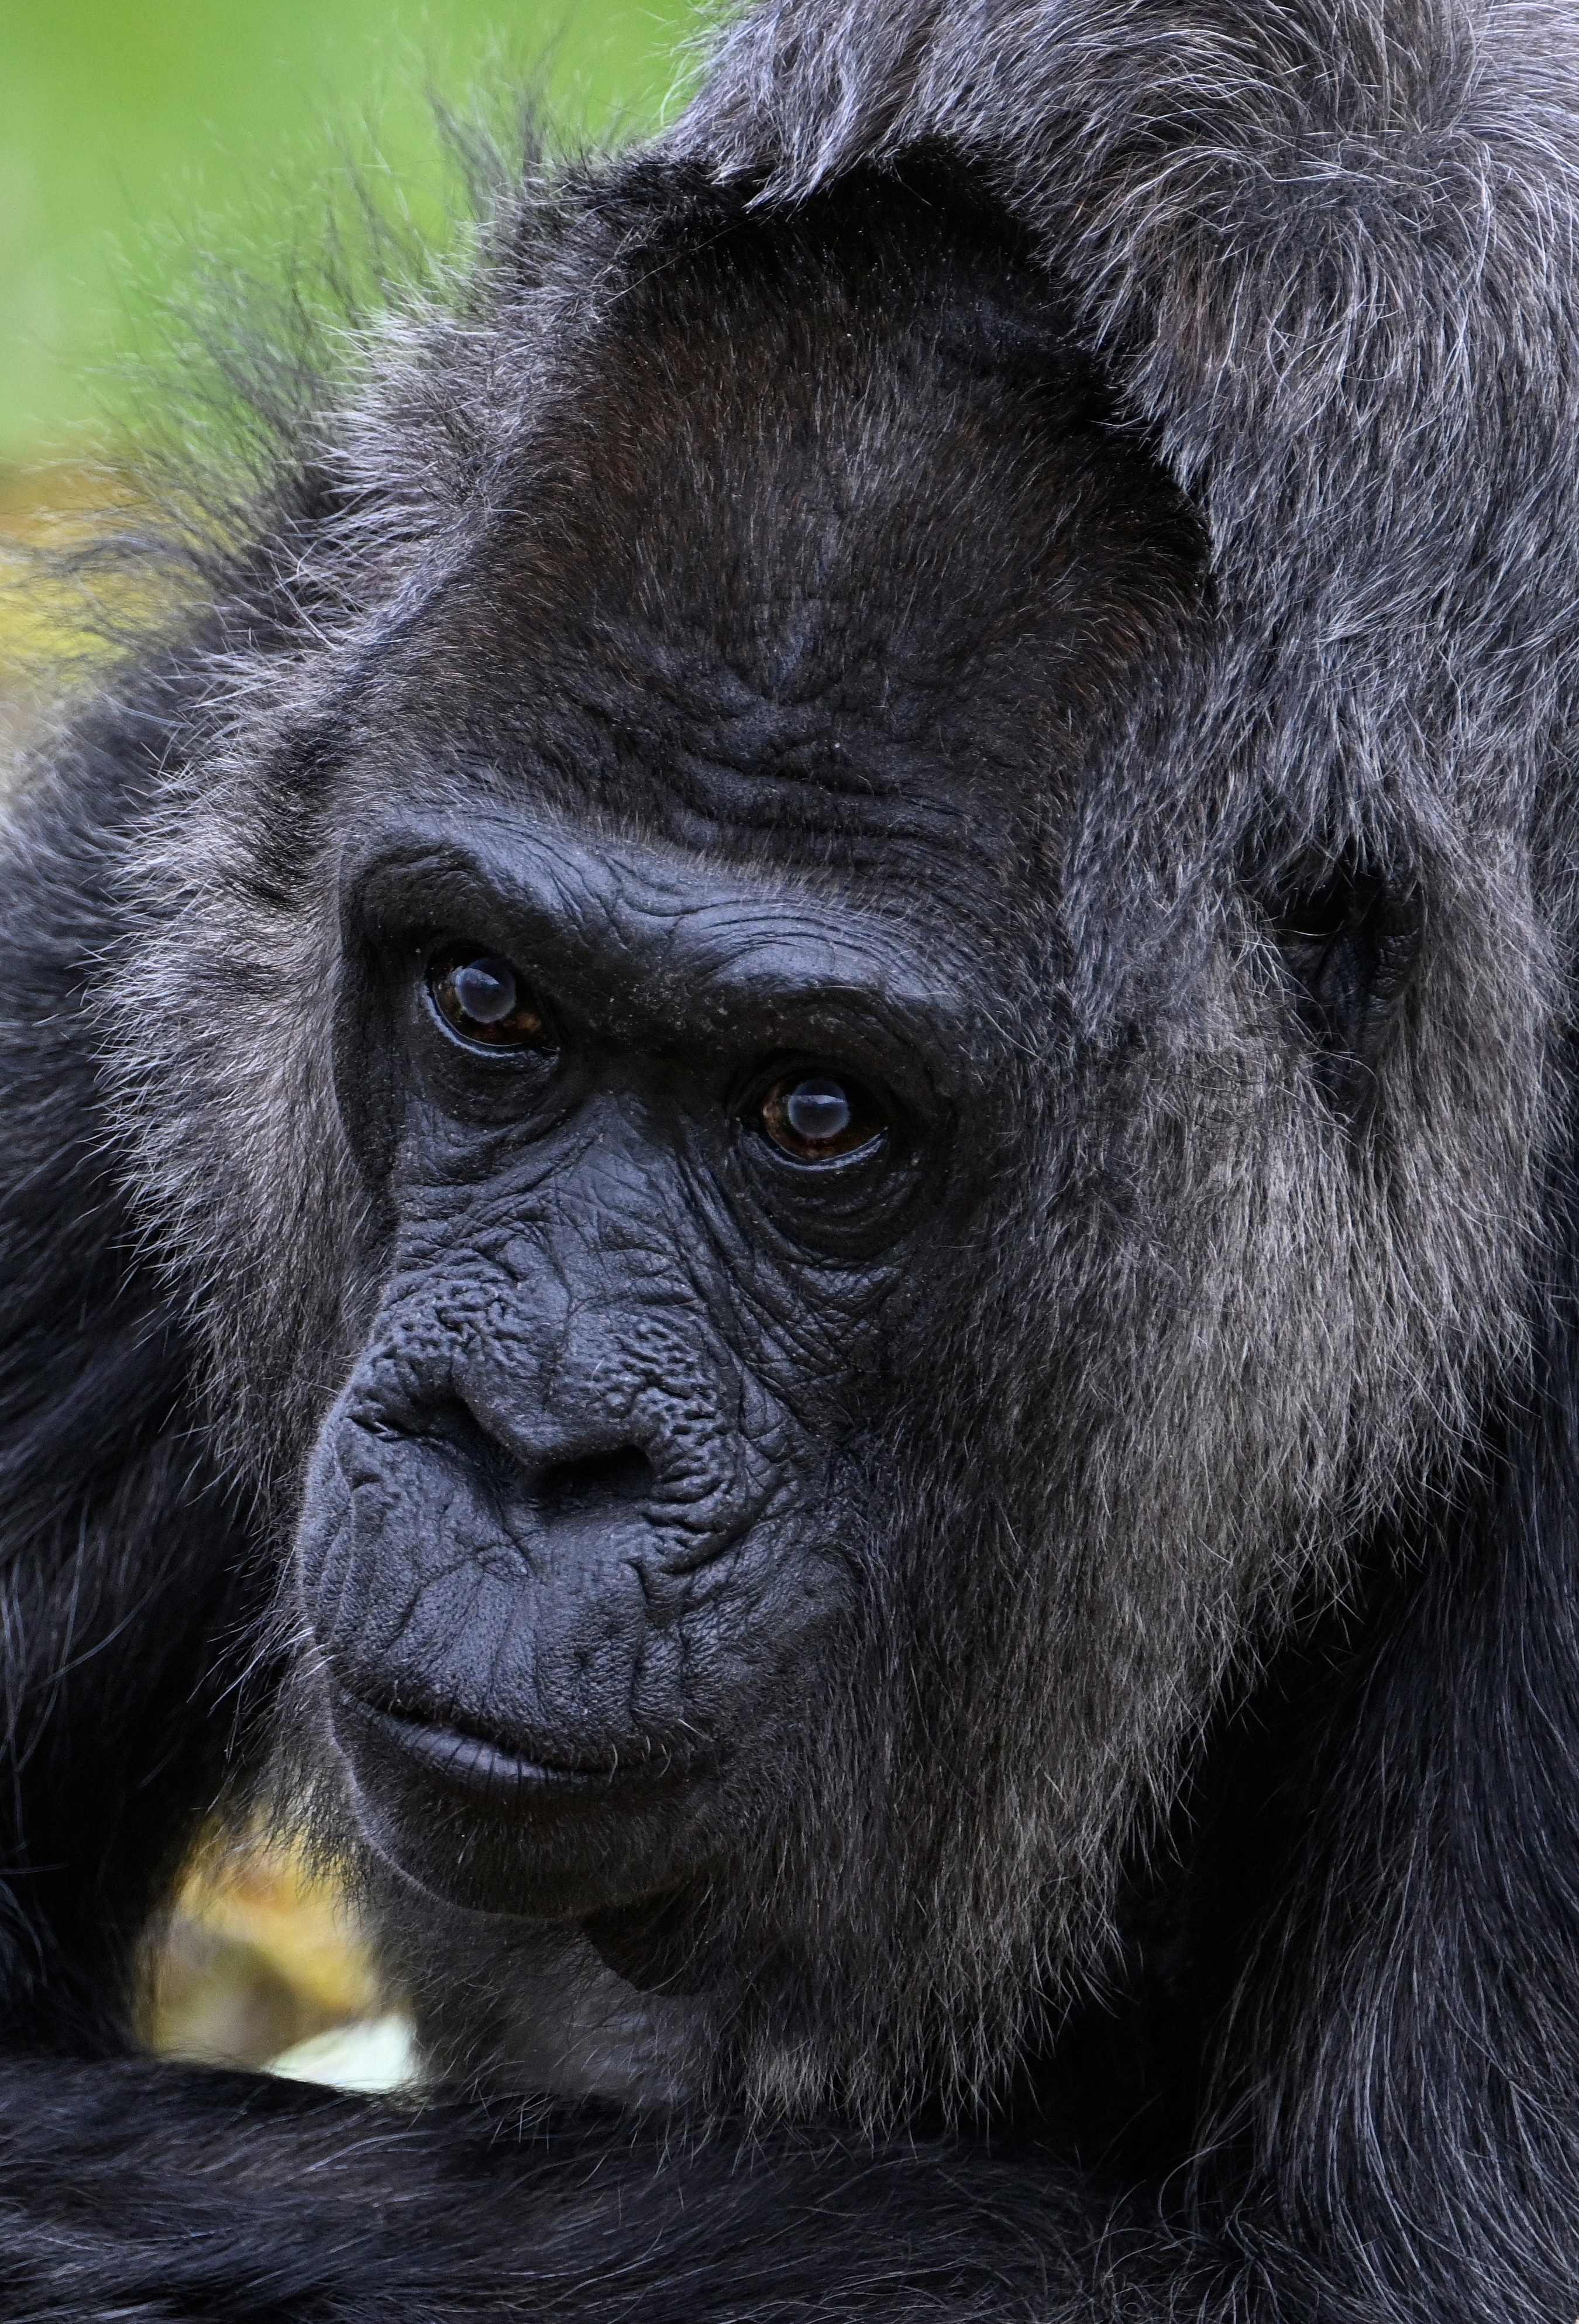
[
  {"x": 146, "y": 146},
  {"x": 138, "y": 136}
]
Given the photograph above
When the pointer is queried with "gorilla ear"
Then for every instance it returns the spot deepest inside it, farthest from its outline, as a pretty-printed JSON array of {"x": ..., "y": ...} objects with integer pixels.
[{"x": 1348, "y": 938}]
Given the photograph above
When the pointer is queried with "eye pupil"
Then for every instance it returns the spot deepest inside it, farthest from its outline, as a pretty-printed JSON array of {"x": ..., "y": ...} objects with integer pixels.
[
  {"x": 485, "y": 990},
  {"x": 818, "y": 1110},
  {"x": 481, "y": 999},
  {"x": 819, "y": 1117}
]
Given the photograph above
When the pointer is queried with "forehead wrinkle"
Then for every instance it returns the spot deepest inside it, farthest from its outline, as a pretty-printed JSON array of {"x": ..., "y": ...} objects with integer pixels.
[{"x": 684, "y": 746}]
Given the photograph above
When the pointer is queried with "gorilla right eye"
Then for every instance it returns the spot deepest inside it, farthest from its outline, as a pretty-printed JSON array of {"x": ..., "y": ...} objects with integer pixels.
[
  {"x": 819, "y": 1117},
  {"x": 482, "y": 1001}
]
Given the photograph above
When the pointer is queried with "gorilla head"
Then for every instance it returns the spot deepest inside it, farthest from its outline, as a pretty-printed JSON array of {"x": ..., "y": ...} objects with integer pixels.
[
  {"x": 788, "y": 1194},
  {"x": 828, "y": 1218}
]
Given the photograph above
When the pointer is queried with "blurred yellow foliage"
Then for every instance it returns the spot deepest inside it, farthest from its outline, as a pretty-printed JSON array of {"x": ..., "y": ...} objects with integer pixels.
[
  {"x": 57, "y": 620},
  {"x": 260, "y": 1954}
]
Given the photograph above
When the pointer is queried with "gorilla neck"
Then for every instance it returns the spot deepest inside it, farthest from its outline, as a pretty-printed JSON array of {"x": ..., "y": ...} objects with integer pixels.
[
  {"x": 560, "y": 2020},
  {"x": 577, "y": 2029}
]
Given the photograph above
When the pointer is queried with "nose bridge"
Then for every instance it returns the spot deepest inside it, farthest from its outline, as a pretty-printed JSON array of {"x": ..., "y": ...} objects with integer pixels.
[
  {"x": 594, "y": 1344},
  {"x": 587, "y": 1371}
]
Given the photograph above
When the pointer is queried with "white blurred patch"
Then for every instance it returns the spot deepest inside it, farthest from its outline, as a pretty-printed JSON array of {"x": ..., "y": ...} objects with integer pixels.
[{"x": 375, "y": 2054}]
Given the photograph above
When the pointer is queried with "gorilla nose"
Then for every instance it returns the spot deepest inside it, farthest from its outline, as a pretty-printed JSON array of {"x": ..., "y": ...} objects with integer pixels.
[
  {"x": 610, "y": 1445},
  {"x": 562, "y": 1478}
]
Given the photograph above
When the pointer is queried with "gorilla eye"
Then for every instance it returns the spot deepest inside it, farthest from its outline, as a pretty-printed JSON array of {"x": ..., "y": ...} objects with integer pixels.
[
  {"x": 482, "y": 1000},
  {"x": 812, "y": 1116}
]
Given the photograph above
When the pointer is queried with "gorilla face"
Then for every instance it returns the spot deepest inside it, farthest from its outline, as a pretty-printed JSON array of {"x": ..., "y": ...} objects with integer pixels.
[
  {"x": 693, "y": 948},
  {"x": 586, "y": 1524}
]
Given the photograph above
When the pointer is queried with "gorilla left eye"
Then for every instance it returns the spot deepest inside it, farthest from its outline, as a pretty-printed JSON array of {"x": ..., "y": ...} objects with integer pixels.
[
  {"x": 481, "y": 999},
  {"x": 818, "y": 1116}
]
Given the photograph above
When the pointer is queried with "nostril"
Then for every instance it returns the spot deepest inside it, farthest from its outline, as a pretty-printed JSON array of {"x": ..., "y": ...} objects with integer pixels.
[
  {"x": 595, "y": 1483},
  {"x": 449, "y": 1422},
  {"x": 448, "y": 1417},
  {"x": 579, "y": 1486}
]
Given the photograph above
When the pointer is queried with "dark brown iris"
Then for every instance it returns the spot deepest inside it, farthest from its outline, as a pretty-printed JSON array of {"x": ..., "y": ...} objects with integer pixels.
[{"x": 819, "y": 1117}]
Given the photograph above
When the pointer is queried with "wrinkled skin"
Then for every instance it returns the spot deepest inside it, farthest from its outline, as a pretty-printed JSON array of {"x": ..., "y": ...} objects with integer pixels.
[{"x": 585, "y": 1494}]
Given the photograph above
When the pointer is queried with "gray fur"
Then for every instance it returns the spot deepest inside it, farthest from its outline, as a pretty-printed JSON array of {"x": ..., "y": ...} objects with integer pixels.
[
  {"x": 1236, "y": 1350},
  {"x": 1250, "y": 224}
]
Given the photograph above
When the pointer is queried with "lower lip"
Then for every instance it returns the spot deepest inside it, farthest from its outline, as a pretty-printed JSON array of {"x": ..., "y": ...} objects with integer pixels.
[{"x": 482, "y": 1770}]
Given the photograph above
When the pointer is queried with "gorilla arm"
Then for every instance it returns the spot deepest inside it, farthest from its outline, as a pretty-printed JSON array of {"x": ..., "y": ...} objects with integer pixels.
[{"x": 124, "y": 1564}]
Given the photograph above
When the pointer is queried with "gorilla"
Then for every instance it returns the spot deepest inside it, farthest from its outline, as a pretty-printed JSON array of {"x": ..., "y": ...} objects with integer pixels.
[{"x": 788, "y": 1199}]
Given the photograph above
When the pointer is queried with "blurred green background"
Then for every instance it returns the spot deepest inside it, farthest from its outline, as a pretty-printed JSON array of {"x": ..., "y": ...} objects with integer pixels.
[{"x": 142, "y": 139}]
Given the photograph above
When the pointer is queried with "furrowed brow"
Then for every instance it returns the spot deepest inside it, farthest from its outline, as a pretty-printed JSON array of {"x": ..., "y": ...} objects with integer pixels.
[{"x": 642, "y": 941}]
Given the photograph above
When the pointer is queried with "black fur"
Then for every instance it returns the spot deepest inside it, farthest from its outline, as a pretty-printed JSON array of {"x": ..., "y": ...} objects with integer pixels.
[{"x": 1026, "y": 554}]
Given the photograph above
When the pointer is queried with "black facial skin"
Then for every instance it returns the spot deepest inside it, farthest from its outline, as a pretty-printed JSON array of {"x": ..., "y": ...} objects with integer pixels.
[{"x": 581, "y": 1525}]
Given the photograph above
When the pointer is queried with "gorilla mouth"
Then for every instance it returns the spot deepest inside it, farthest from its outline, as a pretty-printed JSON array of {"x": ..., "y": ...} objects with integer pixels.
[
  {"x": 503, "y": 1820},
  {"x": 466, "y": 1760}
]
